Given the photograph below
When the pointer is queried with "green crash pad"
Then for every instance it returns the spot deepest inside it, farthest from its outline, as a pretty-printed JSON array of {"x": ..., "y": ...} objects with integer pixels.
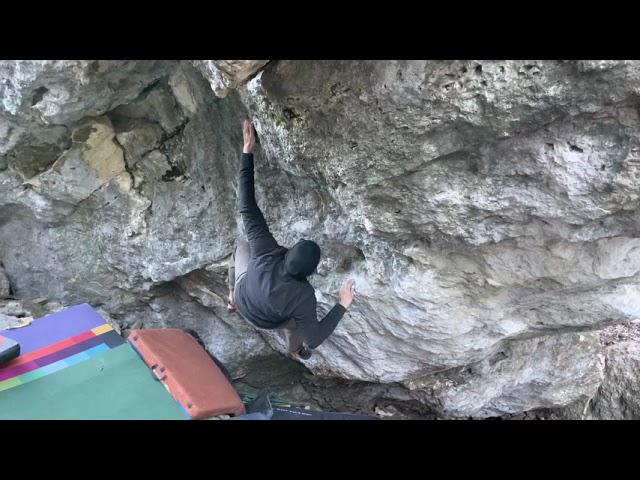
[{"x": 113, "y": 385}]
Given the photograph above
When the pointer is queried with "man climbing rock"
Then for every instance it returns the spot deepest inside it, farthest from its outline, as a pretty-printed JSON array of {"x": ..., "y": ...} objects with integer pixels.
[{"x": 268, "y": 283}]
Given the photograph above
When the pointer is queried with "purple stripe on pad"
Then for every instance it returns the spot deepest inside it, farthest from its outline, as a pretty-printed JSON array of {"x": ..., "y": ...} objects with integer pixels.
[
  {"x": 111, "y": 339},
  {"x": 17, "y": 370},
  {"x": 55, "y": 327}
]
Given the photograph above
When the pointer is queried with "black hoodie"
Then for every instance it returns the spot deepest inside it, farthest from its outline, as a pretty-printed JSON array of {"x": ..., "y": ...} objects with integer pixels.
[{"x": 268, "y": 296}]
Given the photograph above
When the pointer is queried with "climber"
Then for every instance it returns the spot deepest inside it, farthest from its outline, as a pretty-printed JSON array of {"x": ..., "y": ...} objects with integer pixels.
[{"x": 268, "y": 283}]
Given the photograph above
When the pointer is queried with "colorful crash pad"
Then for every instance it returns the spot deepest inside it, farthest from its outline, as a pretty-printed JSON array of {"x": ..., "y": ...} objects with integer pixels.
[
  {"x": 56, "y": 341},
  {"x": 112, "y": 385},
  {"x": 73, "y": 365}
]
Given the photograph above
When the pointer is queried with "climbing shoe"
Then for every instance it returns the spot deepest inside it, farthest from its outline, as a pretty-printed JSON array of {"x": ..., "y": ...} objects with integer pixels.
[{"x": 304, "y": 353}]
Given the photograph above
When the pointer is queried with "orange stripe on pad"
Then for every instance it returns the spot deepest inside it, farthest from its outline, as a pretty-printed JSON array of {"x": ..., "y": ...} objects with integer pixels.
[{"x": 102, "y": 329}]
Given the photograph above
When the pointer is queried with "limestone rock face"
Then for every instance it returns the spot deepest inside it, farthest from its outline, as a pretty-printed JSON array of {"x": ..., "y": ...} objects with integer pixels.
[
  {"x": 488, "y": 210},
  {"x": 42, "y": 99},
  {"x": 5, "y": 287},
  {"x": 226, "y": 75},
  {"x": 617, "y": 396}
]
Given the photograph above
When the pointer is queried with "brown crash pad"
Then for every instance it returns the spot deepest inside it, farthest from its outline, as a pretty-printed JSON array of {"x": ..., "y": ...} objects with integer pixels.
[{"x": 187, "y": 371}]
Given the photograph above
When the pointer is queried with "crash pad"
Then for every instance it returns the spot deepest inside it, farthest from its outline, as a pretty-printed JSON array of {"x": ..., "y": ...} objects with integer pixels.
[
  {"x": 113, "y": 384},
  {"x": 55, "y": 327},
  {"x": 56, "y": 341}
]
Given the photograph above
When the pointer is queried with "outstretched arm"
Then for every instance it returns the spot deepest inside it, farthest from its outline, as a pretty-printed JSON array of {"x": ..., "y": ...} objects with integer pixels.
[
  {"x": 260, "y": 239},
  {"x": 314, "y": 332}
]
